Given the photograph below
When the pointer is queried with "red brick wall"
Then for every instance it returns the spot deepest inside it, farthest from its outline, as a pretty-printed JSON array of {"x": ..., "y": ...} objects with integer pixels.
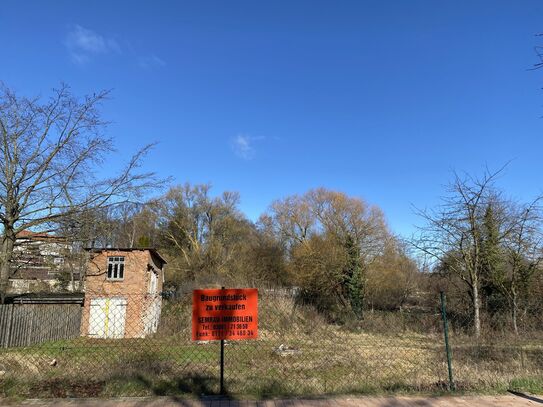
[{"x": 134, "y": 287}]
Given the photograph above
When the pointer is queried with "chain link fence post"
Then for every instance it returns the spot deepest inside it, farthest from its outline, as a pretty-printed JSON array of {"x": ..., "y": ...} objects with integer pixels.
[
  {"x": 446, "y": 336},
  {"x": 221, "y": 388}
]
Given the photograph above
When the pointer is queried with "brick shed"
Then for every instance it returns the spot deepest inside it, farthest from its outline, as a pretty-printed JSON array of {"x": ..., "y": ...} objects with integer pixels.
[{"x": 122, "y": 293}]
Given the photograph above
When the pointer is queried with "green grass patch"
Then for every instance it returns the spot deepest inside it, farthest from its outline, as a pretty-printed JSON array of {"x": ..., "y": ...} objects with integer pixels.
[{"x": 532, "y": 385}]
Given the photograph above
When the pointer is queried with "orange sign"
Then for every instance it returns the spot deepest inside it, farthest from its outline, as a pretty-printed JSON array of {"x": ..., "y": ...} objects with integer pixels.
[{"x": 224, "y": 314}]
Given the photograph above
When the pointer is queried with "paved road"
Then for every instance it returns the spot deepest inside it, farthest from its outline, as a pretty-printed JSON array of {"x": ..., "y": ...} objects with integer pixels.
[{"x": 483, "y": 401}]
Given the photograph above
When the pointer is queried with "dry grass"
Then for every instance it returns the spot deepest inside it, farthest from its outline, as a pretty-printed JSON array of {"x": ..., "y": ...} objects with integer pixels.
[{"x": 326, "y": 358}]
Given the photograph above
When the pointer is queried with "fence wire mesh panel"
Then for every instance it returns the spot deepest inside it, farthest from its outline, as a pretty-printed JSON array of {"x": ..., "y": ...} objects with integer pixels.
[
  {"x": 302, "y": 351},
  {"x": 507, "y": 353},
  {"x": 138, "y": 344}
]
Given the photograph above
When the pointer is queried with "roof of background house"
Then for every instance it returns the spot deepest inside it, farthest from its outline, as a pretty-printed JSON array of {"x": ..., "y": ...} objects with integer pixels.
[
  {"x": 153, "y": 251},
  {"x": 28, "y": 234}
]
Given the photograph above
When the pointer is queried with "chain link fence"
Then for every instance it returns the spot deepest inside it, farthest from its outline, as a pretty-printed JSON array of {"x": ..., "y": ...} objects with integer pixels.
[
  {"x": 501, "y": 356},
  {"x": 141, "y": 345}
]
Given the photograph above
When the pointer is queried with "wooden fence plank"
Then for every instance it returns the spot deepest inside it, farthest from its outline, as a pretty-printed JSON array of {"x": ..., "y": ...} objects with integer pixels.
[
  {"x": 5, "y": 324},
  {"x": 30, "y": 324}
]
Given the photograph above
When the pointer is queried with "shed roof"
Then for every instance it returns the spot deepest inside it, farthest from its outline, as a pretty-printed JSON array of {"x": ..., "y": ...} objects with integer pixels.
[{"x": 47, "y": 298}]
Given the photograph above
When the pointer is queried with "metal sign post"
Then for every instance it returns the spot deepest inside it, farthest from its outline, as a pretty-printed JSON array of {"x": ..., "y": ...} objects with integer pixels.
[
  {"x": 220, "y": 314},
  {"x": 222, "y": 367}
]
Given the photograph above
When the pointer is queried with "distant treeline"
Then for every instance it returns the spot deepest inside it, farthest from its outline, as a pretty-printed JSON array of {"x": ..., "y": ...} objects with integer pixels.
[{"x": 338, "y": 251}]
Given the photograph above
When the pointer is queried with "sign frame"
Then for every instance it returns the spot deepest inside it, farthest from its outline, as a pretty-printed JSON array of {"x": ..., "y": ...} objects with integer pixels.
[{"x": 224, "y": 314}]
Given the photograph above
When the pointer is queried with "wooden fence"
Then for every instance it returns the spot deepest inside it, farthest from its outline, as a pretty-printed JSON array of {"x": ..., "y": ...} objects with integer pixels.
[{"x": 30, "y": 324}]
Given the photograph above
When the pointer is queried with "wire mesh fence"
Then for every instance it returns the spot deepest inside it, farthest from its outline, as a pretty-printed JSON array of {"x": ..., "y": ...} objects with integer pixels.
[
  {"x": 506, "y": 354},
  {"x": 138, "y": 344}
]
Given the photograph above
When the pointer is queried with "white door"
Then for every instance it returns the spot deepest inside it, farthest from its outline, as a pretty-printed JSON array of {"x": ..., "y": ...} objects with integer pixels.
[
  {"x": 117, "y": 316},
  {"x": 97, "y": 318},
  {"x": 107, "y": 317}
]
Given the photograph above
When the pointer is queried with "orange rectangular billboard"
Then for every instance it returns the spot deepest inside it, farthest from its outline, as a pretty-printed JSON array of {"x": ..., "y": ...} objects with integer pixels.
[{"x": 224, "y": 314}]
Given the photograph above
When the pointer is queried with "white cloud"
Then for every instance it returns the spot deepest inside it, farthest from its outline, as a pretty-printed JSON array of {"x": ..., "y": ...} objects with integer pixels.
[
  {"x": 243, "y": 146},
  {"x": 83, "y": 44},
  {"x": 150, "y": 62}
]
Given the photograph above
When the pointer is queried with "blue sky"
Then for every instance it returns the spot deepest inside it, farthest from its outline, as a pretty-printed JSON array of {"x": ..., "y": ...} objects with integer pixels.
[{"x": 379, "y": 99}]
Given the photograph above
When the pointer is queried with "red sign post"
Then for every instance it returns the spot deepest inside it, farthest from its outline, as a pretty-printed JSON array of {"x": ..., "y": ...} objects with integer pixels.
[{"x": 219, "y": 314}]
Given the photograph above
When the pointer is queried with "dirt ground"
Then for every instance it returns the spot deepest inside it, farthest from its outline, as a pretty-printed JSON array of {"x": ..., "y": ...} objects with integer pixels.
[{"x": 400, "y": 401}]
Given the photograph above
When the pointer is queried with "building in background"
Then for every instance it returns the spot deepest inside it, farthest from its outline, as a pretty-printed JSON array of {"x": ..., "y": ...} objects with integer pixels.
[
  {"x": 44, "y": 263},
  {"x": 122, "y": 292}
]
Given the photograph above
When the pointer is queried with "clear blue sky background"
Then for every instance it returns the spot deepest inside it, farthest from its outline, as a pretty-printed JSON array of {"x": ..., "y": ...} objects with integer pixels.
[{"x": 379, "y": 99}]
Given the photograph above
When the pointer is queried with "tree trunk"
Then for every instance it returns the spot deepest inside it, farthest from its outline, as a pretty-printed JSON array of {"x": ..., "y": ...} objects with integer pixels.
[
  {"x": 514, "y": 311},
  {"x": 8, "y": 242},
  {"x": 72, "y": 279},
  {"x": 476, "y": 311}
]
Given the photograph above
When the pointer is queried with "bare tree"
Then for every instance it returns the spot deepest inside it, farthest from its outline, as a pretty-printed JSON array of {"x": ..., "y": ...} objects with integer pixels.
[
  {"x": 201, "y": 231},
  {"x": 523, "y": 254},
  {"x": 296, "y": 218},
  {"x": 452, "y": 233},
  {"x": 49, "y": 153},
  {"x": 538, "y": 49},
  {"x": 350, "y": 218},
  {"x": 292, "y": 219},
  {"x": 392, "y": 278}
]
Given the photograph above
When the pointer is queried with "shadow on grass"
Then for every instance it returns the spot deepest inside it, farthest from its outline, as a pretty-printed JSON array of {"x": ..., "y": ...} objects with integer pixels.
[
  {"x": 196, "y": 386},
  {"x": 62, "y": 388}
]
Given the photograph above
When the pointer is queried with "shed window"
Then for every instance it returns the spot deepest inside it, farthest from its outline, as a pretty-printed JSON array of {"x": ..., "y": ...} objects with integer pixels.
[{"x": 115, "y": 268}]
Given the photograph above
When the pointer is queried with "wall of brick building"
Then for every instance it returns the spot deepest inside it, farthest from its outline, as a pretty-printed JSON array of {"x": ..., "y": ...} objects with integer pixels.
[{"x": 134, "y": 287}]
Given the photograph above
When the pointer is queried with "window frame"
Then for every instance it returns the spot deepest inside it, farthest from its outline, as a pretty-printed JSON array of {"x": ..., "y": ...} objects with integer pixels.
[{"x": 115, "y": 267}]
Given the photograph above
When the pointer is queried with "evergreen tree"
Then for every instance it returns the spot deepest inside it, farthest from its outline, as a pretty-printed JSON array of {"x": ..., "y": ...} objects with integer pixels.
[
  {"x": 354, "y": 278},
  {"x": 492, "y": 264}
]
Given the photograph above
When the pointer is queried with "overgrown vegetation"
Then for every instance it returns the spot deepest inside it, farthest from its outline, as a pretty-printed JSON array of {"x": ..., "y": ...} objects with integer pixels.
[
  {"x": 350, "y": 285},
  {"x": 299, "y": 352},
  {"x": 337, "y": 251},
  {"x": 487, "y": 250}
]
